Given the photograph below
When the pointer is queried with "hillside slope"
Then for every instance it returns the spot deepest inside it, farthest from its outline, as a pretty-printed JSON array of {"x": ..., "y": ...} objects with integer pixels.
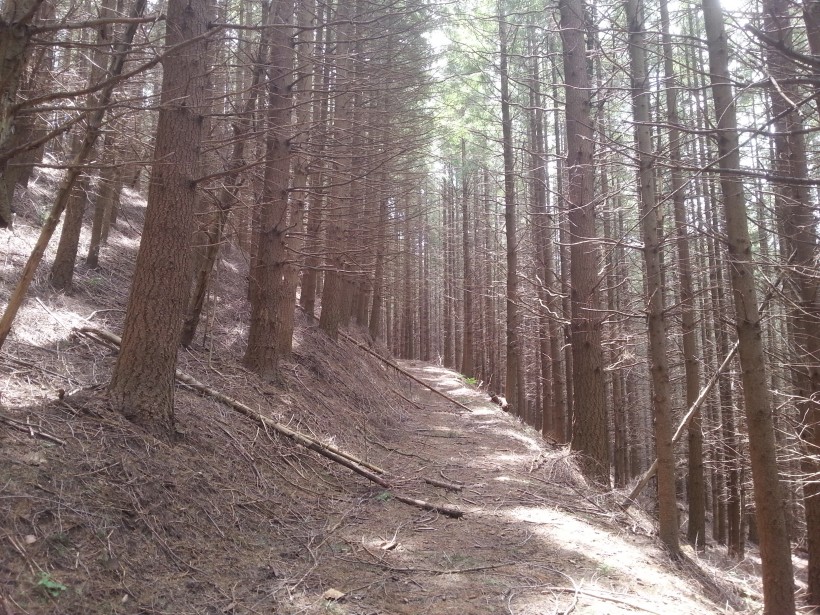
[{"x": 97, "y": 516}]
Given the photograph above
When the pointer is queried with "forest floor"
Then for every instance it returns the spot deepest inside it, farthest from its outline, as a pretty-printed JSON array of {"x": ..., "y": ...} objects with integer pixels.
[{"x": 97, "y": 516}]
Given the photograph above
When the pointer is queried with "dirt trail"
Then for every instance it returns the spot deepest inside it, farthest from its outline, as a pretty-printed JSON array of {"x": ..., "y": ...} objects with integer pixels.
[{"x": 531, "y": 541}]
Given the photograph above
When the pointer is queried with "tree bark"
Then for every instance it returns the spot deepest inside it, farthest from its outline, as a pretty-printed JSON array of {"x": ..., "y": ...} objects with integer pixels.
[
  {"x": 589, "y": 428},
  {"x": 270, "y": 328},
  {"x": 798, "y": 222},
  {"x": 513, "y": 388},
  {"x": 656, "y": 326},
  {"x": 142, "y": 385},
  {"x": 775, "y": 552},
  {"x": 14, "y": 40}
]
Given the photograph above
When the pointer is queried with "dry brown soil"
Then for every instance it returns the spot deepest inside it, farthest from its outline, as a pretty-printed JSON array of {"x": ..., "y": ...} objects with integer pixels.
[{"x": 99, "y": 517}]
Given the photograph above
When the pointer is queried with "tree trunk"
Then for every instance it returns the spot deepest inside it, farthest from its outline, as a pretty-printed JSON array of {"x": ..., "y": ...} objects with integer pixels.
[
  {"x": 271, "y": 325},
  {"x": 15, "y": 35},
  {"x": 775, "y": 552},
  {"x": 142, "y": 385},
  {"x": 798, "y": 221},
  {"x": 650, "y": 222},
  {"x": 467, "y": 362},
  {"x": 590, "y": 435},
  {"x": 696, "y": 528},
  {"x": 62, "y": 270},
  {"x": 94, "y": 121},
  {"x": 514, "y": 374}
]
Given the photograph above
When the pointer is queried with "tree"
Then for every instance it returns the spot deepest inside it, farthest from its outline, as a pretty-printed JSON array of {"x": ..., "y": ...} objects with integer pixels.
[
  {"x": 775, "y": 552},
  {"x": 15, "y": 36},
  {"x": 514, "y": 388},
  {"x": 271, "y": 330},
  {"x": 589, "y": 428},
  {"x": 793, "y": 204},
  {"x": 142, "y": 384},
  {"x": 659, "y": 364}
]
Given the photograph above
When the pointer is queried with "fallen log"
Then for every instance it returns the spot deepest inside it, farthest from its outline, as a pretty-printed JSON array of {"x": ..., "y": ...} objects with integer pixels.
[{"x": 362, "y": 468}]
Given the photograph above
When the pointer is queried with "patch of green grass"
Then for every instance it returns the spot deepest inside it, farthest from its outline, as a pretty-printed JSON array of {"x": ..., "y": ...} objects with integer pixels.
[
  {"x": 471, "y": 381},
  {"x": 384, "y": 496},
  {"x": 50, "y": 585}
]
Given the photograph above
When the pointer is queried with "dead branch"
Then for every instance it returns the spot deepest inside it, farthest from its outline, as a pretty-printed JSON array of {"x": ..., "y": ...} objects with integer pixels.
[
  {"x": 443, "y": 484},
  {"x": 647, "y": 476},
  {"x": 29, "y": 429},
  {"x": 403, "y": 371},
  {"x": 347, "y": 460}
]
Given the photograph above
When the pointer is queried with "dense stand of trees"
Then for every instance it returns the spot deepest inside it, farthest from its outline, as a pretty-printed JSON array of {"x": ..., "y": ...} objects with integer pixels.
[{"x": 586, "y": 208}]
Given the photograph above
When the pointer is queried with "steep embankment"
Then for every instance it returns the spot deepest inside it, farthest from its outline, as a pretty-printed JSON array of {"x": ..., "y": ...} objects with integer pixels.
[{"x": 99, "y": 517}]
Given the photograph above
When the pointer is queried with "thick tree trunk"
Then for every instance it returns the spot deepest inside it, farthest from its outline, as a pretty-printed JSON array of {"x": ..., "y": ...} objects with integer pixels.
[
  {"x": 142, "y": 385},
  {"x": 799, "y": 226},
  {"x": 775, "y": 552},
  {"x": 590, "y": 426}
]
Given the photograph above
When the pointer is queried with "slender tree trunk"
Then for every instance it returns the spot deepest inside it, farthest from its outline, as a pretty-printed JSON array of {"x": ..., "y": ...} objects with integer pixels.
[
  {"x": 650, "y": 222},
  {"x": 696, "y": 529},
  {"x": 62, "y": 270},
  {"x": 775, "y": 552},
  {"x": 513, "y": 391},
  {"x": 336, "y": 291},
  {"x": 93, "y": 125},
  {"x": 227, "y": 193},
  {"x": 467, "y": 363}
]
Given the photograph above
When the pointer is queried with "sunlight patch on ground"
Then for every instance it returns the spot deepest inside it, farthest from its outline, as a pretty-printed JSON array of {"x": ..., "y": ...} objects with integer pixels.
[
  {"x": 617, "y": 560},
  {"x": 510, "y": 479},
  {"x": 484, "y": 411}
]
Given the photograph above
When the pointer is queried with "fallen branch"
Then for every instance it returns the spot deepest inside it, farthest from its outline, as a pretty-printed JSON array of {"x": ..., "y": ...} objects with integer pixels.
[
  {"x": 600, "y": 595},
  {"x": 443, "y": 484},
  {"x": 386, "y": 361},
  {"x": 29, "y": 429},
  {"x": 362, "y": 468},
  {"x": 404, "y": 371}
]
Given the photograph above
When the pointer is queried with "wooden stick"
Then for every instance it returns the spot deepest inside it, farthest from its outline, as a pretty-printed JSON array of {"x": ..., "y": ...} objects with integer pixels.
[
  {"x": 647, "y": 476},
  {"x": 350, "y": 339},
  {"x": 443, "y": 484},
  {"x": 326, "y": 450},
  {"x": 29, "y": 429},
  {"x": 403, "y": 371}
]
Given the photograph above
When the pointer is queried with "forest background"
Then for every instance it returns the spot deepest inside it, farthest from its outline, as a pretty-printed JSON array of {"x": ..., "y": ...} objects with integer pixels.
[{"x": 604, "y": 211}]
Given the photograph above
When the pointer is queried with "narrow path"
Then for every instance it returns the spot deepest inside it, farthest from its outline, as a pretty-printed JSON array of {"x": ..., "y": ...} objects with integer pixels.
[{"x": 533, "y": 540}]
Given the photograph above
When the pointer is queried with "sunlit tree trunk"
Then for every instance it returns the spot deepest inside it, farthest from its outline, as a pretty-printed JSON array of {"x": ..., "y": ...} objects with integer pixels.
[{"x": 650, "y": 222}]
